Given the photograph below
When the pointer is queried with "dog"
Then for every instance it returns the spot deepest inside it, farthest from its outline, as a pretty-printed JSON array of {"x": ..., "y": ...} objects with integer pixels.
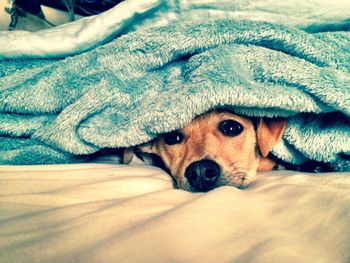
[{"x": 215, "y": 149}]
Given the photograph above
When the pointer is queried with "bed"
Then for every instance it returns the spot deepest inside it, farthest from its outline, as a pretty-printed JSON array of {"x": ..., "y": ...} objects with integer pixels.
[
  {"x": 55, "y": 207},
  {"x": 119, "y": 213}
]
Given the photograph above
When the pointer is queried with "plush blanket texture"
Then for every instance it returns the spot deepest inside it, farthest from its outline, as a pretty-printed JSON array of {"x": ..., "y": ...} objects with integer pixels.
[{"x": 157, "y": 79}]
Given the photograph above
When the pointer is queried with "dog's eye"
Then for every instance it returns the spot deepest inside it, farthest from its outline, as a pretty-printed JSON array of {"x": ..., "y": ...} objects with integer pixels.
[
  {"x": 172, "y": 138},
  {"x": 230, "y": 128}
]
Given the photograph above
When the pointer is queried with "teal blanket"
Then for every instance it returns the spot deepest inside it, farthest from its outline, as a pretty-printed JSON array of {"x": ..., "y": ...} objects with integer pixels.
[{"x": 128, "y": 91}]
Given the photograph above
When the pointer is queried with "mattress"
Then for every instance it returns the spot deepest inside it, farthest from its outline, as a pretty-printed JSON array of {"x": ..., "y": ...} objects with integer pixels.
[{"x": 118, "y": 213}]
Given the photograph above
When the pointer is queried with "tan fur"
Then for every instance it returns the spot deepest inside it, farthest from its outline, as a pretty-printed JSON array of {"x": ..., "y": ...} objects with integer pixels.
[{"x": 238, "y": 157}]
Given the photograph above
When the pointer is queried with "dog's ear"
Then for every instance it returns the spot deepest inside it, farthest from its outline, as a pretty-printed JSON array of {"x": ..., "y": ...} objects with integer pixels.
[
  {"x": 269, "y": 133},
  {"x": 142, "y": 151},
  {"x": 147, "y": 152},
  {"x": 127, "y": 155},
  {"x": 148, "y": 147}
]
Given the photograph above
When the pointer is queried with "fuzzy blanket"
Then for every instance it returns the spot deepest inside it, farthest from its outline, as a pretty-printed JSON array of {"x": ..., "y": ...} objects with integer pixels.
[{"x": 152, "y": 81}]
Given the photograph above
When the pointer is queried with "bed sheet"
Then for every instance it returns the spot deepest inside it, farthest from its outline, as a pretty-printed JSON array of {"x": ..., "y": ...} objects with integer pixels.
[
  {"x": 89, "y": 32},
  {"x": 117, "y": 213}
]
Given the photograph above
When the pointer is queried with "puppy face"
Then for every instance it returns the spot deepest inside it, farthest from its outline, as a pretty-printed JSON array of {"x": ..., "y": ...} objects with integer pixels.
[{"x": 215, "y": 149}]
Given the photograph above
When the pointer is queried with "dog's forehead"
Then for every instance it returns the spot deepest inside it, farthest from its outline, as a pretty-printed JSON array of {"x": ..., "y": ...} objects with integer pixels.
[
  {"x": 213, "y": 117},
  {"x": 229, "y": 115}
]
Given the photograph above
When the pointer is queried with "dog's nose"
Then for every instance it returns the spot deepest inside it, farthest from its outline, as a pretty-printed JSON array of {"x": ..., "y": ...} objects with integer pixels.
[{"x": 203, "y": 174}]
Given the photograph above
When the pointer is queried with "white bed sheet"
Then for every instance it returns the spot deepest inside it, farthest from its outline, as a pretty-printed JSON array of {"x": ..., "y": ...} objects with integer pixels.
[
  {"x": 74, "y": 37},
  {"x": 116, "y": 213},
  {"x": 89, "y": 32}
]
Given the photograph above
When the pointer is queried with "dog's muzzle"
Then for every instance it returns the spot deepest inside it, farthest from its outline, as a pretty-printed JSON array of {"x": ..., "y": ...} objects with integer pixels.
[{"x": 202, "y": 175}]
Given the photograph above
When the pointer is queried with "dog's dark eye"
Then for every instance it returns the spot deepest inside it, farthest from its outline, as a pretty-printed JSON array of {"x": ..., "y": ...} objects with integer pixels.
[
  {"x": 172, "y": 138},
  {"x": 230, "y": 128}
]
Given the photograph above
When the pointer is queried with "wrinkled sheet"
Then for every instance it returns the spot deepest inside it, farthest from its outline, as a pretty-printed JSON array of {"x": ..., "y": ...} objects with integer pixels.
[
  {"x": 114, "y": 213},
  {"x": 77, "y": 36},
  {"x": 89, "y": 32}
]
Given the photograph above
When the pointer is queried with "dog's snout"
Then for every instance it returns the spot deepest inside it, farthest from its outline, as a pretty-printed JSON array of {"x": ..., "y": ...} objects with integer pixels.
[{"x": 202, "y": 175}]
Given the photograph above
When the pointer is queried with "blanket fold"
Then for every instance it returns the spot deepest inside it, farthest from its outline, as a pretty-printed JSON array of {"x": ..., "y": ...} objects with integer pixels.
[{"x": 142, "y": 84}]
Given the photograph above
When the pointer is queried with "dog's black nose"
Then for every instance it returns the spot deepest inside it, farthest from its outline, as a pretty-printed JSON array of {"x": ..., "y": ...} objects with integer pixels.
[{"x": 203, "y": 174}]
